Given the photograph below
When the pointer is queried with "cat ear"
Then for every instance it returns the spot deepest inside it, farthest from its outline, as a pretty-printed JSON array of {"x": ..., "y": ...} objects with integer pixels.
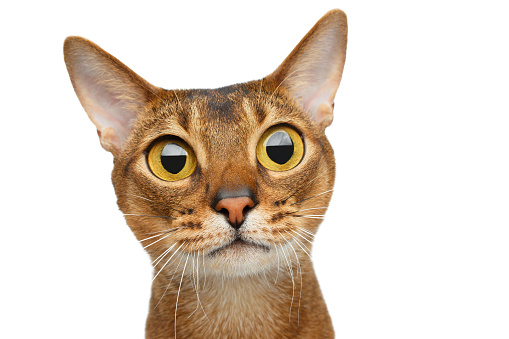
[
  {"x": 312, "y": 71},
  {"x": 109, "y": 91}
]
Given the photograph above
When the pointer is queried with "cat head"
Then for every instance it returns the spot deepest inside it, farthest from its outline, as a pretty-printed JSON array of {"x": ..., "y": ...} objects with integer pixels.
[{"x": 236, "y": 176}]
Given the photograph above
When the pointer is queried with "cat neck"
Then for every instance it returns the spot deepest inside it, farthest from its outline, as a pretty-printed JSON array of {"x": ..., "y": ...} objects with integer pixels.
[{"x": 273, "y": 304}]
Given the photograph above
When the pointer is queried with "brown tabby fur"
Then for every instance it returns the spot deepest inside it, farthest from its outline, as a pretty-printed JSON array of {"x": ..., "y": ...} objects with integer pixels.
[{"x": 240, "y": 292}]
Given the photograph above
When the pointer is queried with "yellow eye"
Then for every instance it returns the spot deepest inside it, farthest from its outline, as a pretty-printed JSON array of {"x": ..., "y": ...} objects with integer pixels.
[
  {"x": 280, "y": 148},
  {"x": 171, "y": 159}
]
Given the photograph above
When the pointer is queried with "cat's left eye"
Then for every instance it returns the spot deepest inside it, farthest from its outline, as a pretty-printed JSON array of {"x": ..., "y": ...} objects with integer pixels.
[
  {"x": 280, "y": 148},
  {"x": 171, "y": 159}
]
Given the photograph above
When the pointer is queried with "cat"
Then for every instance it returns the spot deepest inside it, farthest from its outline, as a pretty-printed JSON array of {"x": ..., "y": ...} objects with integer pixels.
[{"x": 225, "y": 188}]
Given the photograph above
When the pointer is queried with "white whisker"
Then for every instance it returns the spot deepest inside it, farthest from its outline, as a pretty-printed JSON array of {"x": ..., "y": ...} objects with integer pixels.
[
  {"x": 154, "y": 236},
  {"x": 193, "y": 282},
  {"x": 204, "y": 270},
  {"x": 157, "y": 241},
  {"x": 162, "y": 233},
  {"x": 178, "y": 294},
  {"x": 300, "y": 293},
  {"x": 304, "y": 216},
  {"x": 178, "y": 265},
  {"x": 300, "y": 235},
  {"x": 196, "y": 285},
  {"x": 290, "y": 270},
  {"x": 306, "y": 231},
  {"x": 303, "y": 234},
  {"x": 164, "y": 293},
  {"x": 277, "y": 273},
  {"x": 314, "y": 208},
  {"x": 176, "y": 251},
  {"x": 306, "y": 250},
  {"x": 162, "y": 255},
  {"x": 148, "y": 233}
]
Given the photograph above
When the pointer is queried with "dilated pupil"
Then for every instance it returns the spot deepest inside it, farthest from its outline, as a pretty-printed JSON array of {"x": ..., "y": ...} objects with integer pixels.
[
  {"x": 280, "y": 147},
  {"x": 173, "y": 158}
]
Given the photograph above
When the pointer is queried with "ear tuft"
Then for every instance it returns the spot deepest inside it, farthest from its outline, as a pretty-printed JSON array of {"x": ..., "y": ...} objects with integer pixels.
[
  {"x": 312, "y": 72},
  {"x": 110, "y": 92}
]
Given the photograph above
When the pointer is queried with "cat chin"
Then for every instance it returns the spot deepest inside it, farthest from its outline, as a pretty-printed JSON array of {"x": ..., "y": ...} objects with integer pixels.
[{"x": 240, "y": 259}]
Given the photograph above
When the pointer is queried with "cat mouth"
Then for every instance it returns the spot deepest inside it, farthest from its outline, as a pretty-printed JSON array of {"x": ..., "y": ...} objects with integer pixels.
[{"x": 239, "y": 245}]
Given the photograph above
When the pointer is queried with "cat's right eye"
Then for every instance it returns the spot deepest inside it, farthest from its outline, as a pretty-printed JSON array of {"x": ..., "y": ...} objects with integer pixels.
[{"x": 171, "y": 159}]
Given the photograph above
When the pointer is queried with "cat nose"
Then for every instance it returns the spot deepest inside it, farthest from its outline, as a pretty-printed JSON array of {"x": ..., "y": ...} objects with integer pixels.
[{"x": 235, "y": 208}]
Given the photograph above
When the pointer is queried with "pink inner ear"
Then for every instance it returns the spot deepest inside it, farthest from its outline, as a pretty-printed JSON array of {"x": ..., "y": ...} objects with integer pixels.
[
  {"x": 312, "y": 72},
  {"x": 317, "y": 99},
  {"x": 110, "y": 92},
  {"x": 317, "y": 83},
  {"x": 106, "y": 111}
]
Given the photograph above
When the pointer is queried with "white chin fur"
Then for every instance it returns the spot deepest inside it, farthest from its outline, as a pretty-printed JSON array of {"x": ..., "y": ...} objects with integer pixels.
[{"x": 240, "y": 260}]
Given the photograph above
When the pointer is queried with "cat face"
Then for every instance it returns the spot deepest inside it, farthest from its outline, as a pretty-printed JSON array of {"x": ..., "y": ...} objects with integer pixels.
[
  {"x": 223, "y": 128},
  {"x": 237, "y": 177}
]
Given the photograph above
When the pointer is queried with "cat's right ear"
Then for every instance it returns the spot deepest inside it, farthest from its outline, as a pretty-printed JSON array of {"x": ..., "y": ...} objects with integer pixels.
[{"x": 111, "y": 93}]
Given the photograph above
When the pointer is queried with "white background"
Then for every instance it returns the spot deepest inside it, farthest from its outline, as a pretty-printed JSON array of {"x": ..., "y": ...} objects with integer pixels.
[{"x": 416, "y": 242}]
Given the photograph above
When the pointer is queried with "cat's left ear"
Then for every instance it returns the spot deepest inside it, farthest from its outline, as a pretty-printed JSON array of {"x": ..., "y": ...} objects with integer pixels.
[
  {"x": 312, "y": 71},
  {"x": 111, "y": 93}
]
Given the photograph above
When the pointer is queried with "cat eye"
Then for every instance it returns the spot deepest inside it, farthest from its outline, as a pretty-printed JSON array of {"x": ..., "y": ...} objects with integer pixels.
[
  {"x": 171, "y": 159},
  {"x": 280, "y": 148}
]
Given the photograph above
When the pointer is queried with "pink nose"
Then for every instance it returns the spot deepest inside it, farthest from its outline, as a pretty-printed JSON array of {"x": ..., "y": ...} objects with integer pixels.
[{"x": 235, "y": 208}]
